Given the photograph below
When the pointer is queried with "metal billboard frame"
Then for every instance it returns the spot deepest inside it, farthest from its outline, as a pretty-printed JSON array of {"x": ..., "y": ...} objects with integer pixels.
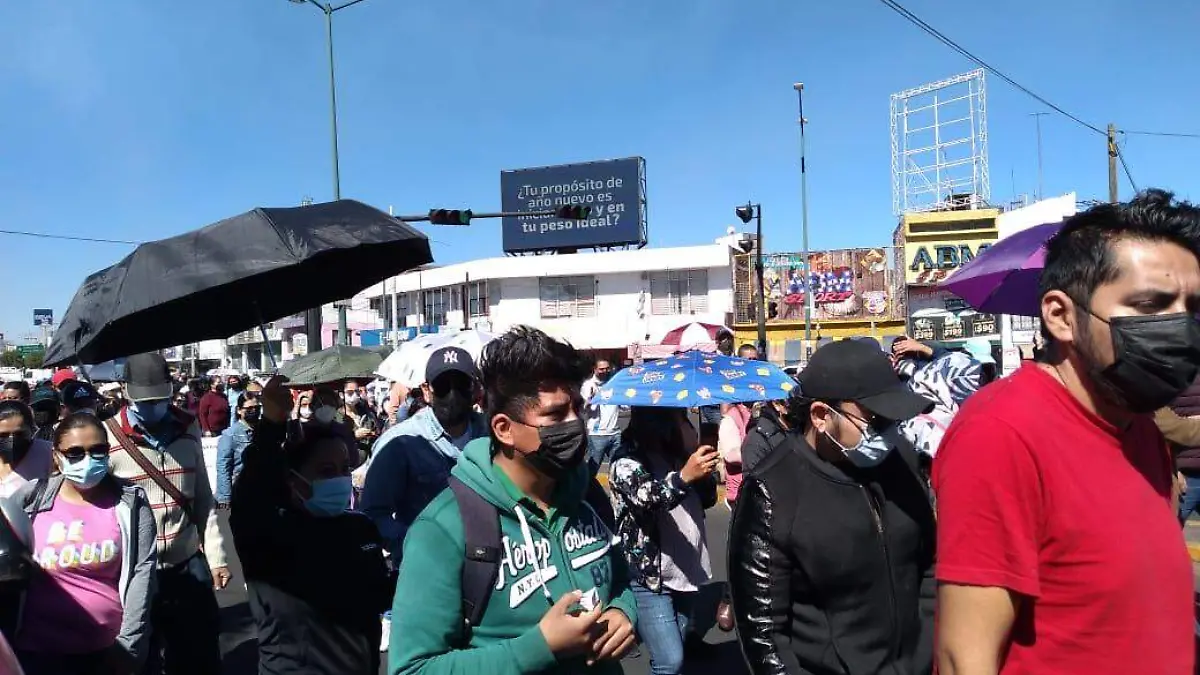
[{"x": 925, "y": 177}]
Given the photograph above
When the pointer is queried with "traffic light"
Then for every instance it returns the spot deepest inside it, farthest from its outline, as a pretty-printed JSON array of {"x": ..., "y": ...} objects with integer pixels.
[
  {"x": 745, "y": 213},
  {"x": 450, "y": 216},
  {"x": 573, "y": 212}
]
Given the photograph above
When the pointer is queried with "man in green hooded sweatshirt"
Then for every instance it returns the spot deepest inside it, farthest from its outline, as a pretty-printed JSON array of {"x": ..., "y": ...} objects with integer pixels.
[{"x": 561, "y": 602}]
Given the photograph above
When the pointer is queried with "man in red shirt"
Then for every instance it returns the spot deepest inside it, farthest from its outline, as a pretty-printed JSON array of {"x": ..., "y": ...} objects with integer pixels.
[{"x": 1058, "y": 551}]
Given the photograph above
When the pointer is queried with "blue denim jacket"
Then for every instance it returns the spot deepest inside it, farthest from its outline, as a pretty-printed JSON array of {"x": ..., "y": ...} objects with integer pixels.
[
  {"x": 410, "y": 465},
  {"x": 230, "y": 446}
]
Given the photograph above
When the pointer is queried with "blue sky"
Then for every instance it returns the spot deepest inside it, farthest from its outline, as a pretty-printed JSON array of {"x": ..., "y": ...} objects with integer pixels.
[{"x": 137, "y": 120}]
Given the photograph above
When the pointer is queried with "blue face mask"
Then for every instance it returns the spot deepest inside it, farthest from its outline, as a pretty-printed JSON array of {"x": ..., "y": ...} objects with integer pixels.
[
  {"x": 87, "y": 472},
  {"x": 149, "y": 413},
  {"x": 330, "y": 496}
]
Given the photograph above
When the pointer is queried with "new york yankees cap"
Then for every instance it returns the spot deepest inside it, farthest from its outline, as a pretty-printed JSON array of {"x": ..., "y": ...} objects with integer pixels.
[{"x": 449, "y": 359}]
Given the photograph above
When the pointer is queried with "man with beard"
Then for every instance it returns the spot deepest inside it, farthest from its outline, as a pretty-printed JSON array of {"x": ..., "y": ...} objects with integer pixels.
[
  {"x": 411, "y": 462},
  {"x": 1058, "y": 550}
]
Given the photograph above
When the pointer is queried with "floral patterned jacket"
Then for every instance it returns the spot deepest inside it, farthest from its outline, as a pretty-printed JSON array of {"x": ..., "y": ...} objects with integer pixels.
[{"x": 638, "y": 497}]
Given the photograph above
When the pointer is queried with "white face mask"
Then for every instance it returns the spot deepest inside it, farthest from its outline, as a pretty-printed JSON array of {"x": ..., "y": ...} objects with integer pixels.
[
  {"x": 305, "y": 412},
  {"x": 872, "y": 448},
  {"x": 351, "y": 399},
  {"x": 324, "y": 414}
]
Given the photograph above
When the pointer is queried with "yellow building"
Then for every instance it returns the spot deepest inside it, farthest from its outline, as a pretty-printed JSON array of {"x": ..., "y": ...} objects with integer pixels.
[{"x": 935, "y": 244}]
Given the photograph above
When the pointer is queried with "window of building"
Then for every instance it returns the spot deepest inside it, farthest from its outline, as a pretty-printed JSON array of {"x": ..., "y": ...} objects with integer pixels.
[
  {"x": 679, "y": 292},
  {"x": 564, "y": 297},
  {"x": 435, "y": 304},
  {"x": 477, "y": 299}
]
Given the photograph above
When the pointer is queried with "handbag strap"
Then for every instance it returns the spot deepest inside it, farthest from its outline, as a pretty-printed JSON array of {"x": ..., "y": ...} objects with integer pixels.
[{"x": 152, "y": 471}]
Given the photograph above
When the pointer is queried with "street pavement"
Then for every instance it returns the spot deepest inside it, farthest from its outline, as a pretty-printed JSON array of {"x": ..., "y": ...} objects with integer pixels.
[{"x": 238, "y": 644}]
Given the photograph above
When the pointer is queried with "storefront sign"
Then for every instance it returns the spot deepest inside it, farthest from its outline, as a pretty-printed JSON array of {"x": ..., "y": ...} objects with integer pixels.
[
  {"x": 951, "y": 327},
  {"x": 931, "y": 262}
]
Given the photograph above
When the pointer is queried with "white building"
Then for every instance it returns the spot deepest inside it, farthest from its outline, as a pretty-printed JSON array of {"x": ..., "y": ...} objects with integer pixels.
[{"x": 600, "y": 301}]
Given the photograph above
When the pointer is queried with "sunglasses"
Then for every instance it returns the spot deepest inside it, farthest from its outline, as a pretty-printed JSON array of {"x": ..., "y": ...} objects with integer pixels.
[{"x": 76, "y": 453}]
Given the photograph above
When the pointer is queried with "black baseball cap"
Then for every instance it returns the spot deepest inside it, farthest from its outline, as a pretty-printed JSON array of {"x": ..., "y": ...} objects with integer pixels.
[
  {"x": 449, "y": 359},
  {"x": 76, "y": 394},
  {"x": 853, "y": 370},
  {"x": 147, "y": 377}
]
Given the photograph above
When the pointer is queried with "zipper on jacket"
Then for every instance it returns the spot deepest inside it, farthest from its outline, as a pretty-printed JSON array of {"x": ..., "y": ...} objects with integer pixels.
[{"x": 887, "y": 559}]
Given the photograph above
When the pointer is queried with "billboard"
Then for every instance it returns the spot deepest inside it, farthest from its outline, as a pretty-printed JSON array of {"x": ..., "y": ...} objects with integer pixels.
[
  {"x": 43, "y": 317},
  {"x": 854, "y": 284},
  {"x": 613, "y": 189}
]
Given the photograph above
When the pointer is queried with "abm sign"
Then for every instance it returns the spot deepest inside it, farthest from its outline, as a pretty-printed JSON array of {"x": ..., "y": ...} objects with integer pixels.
[
  {"x": 43, "y": 317},
  {"x": 611, "y": 188}
]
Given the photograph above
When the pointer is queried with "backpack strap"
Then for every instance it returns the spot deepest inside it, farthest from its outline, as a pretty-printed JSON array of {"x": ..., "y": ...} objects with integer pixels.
[{"x": 481, "y": 563}]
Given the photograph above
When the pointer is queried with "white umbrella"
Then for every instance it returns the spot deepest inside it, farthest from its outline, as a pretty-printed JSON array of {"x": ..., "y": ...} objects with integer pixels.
[{"x": 407, "y": 364}]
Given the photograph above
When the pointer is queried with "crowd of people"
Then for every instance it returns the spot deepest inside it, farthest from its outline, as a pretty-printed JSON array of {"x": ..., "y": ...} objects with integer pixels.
[{"x": 900, "y": 510}]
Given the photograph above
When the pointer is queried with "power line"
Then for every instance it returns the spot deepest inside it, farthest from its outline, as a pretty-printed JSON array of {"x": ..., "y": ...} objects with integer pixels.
[
  {"x": 1125, "y": 166},
  {"x": 938, "y": 35},
  {"x": 1168, "y": 134},
  {"x": 67, "y": 237}
]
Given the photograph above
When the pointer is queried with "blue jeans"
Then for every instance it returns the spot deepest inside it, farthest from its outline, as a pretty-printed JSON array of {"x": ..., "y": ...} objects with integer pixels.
[
  {"x": 1190, "y": 500},
  {"x": 600, "y": 449},
  {"x": 662, "y": 626}
]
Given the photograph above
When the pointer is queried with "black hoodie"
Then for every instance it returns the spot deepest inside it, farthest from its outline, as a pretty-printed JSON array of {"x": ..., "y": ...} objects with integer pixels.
[{"x": 317, "y": 585}]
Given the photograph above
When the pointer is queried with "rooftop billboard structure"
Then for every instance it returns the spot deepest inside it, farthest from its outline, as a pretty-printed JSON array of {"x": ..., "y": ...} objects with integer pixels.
[{"x": 940, "y": 146}]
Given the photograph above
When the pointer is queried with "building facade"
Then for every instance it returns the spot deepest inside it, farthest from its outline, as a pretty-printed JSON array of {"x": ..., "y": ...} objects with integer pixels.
[{"x": 608, "y": 302}]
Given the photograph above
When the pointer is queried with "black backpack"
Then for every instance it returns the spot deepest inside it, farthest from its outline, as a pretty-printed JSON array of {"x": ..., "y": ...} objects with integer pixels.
[{"x": 481, "y": 552}]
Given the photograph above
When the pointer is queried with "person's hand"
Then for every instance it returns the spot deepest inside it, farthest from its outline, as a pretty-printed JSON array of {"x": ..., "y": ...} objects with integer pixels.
[
  {"x": 221, "y": 577},
  {"x": 702, "y": 462},
  {"x": 568, "y": 634},
  {"x": 361, "y": 433},
  {"x": 907, "y": 347},
  {"x": 276, "y": 400},
  {"x": 618, "y": 638},
  {"x": 1181, "y": 483}
]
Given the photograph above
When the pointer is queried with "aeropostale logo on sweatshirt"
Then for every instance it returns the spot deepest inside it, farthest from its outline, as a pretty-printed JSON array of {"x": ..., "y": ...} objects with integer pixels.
[{"x": 516, "y": 563}]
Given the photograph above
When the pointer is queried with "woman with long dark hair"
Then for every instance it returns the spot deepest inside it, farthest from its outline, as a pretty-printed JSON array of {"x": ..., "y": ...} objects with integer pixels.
[
  {"x": 662, "y": 481},
  {"x": 87, "y": 610}
]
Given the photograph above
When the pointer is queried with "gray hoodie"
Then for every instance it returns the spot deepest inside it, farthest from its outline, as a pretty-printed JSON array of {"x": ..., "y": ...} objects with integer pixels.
[{"x": 138, "y": 560}]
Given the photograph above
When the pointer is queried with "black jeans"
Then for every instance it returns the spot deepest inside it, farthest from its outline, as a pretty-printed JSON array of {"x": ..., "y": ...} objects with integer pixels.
[{"x": 187, "y": 622}]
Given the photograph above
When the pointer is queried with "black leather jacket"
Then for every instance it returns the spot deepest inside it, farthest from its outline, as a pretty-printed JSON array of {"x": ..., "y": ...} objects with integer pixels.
[{"x": 831, "y": 567}]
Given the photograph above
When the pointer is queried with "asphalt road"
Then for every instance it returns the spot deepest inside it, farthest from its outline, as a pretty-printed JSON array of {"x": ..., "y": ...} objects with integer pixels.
[{"x": 238, "y": 644}]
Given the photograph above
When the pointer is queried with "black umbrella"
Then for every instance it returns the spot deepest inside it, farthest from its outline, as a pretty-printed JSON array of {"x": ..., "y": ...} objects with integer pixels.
[{"x": 231, "y": 276}]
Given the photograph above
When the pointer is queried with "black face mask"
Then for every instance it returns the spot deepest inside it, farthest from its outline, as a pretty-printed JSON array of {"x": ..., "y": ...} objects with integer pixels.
[
  {"x": 14, "y": 448},
  {"x": 45, "y": 418},
  {"x": 1157, "y": 357},
  {"x": 452, "y": 408},
  {"x": 563, "y": 447},
  {"x": 252, "y": 416}
]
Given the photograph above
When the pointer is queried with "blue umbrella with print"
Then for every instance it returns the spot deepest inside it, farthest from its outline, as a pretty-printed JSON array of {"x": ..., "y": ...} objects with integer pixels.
[{"x": 696, "y": 378}]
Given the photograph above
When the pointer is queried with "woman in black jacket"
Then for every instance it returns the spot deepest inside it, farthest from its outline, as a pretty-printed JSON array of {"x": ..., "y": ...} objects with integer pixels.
[{"x": 314, "y": 570}]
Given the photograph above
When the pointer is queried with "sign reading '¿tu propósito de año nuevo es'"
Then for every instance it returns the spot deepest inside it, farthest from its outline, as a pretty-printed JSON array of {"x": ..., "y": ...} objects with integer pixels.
[{"x": 611, "y": 189}]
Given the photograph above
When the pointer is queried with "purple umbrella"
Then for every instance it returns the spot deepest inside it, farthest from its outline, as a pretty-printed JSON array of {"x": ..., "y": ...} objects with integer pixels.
[{"x": 1004, "y": 278}]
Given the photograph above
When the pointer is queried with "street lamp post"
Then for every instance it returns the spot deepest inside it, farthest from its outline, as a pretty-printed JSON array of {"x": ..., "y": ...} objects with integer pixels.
[
  {"x": 745, "y": 213},
  {"x": 313, "y": 316},
  {"x": 799, "y": 87}
]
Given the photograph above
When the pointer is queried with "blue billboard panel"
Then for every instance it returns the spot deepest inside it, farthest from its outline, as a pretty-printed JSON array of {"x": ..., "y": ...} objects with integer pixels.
[
  {"x": 611, "y": 188},
  {"x": 43, "y": 317}
]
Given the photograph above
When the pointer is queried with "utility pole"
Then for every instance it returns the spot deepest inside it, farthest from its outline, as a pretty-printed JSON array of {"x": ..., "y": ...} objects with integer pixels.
[
  {"x": 1112, "y": 164},
  {"x": 808, "y": 299},
  {"x": 1037, "y": 118}
]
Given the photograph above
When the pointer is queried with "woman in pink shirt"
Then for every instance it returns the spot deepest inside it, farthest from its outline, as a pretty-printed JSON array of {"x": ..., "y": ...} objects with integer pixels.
[{"x": 87, "y": 610}]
